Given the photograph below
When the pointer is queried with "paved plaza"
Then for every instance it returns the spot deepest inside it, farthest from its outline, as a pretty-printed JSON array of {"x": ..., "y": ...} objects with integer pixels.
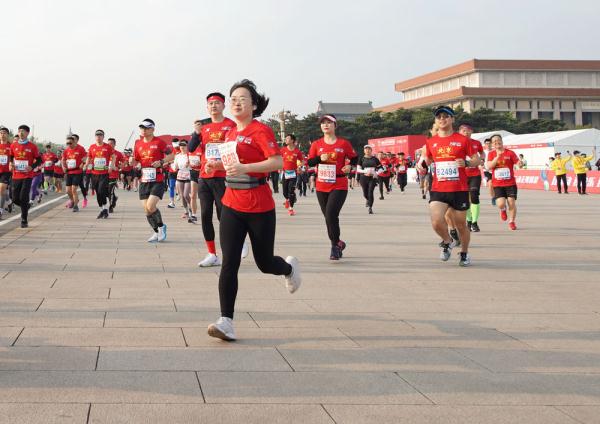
[{"x": 99, "y": 326}]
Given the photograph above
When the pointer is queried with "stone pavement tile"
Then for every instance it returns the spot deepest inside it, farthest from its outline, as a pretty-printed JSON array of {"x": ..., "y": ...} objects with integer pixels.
[
  {"x": 578, "y": 340},
  {"x": 369, "y": 305},
  {"x": 379, "y": 359},
  {"x": 140, "y": 292},
  {"x": 171, "y": 319},
  {"x": 19, "y": 305},
  {"x": 266, "y": 319},
  {"x": 190, "y": 359},
  {"x": 35, "y": 293},
  {"x": 19, "y": 358},
  {"x": 194, "y": 414},
  {"x": 536, "y": 361},
  {"x": 244, "y": 305},
  {"x": 507, "y": 389},
  {"x": 28, "y": 413},
  {"x": 134, "y": 337},
  {"x": 99, "y": 387},
  {"x": 110, "y": 283},
  {"x": 583, "y": 414},
  {"x": 114, "y": 305},
  {"x": 142, "y": 278},
  {"x": 307, "y": 387},
  {"x": 51, "y": 319},
  {"x": 8, "y": 335},
  {"x": 430, "y": 336},
  {"x": 289, "y": 338},
  {"x": 435, "y": 414}
]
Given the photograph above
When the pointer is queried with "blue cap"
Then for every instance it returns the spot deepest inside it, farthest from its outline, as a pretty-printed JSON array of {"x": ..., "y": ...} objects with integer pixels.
[{"x": 443, "y": 109}]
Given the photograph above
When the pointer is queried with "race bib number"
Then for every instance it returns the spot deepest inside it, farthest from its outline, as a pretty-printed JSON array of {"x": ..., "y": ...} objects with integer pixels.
[
  {"x": 446, "y": 171},
  {"x": 212, "y": 151},
  {"x": 183, "y": 174},
  {"x": 369, "y": 171},
  {"x": 228, "y": 153},
  {"x": 71, "y": 163},
  {"x": 502, "y": 173},
  {"x": 326, "y": 174},
  {"x": 148, "y": 175},
  {"x": 99, "y": 164},
  {"x": 289, "y": 174},
  {"x": 194, "y": 161},
  {"x": 21, "y": 165},
  {"x": 47, "y": 164},
  {"x": 402, "y": 168},
  {"x": 381, "y": 171},
  {"x": 3, "y": 160}
]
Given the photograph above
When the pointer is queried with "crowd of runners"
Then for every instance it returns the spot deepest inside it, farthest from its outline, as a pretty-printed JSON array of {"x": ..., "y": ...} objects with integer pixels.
[{"x": 226, "y": 165}]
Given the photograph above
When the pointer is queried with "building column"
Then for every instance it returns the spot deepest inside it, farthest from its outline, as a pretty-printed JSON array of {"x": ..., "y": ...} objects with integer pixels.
[
  {"x": 534, "y": 109},
  {"x": 578, "y": 113},
  {"x": 556, "y": 115},
  {"x": 512, "y": 106}
]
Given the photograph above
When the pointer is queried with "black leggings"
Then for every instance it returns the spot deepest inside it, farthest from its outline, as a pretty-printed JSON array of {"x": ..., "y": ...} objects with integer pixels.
[
  {"x": 210, "y": 191},
  {"x": 382, "y": 181},
  {"x": 275, "y": 181},
  {"x": 20, "y": 193},
  {"x": 289, "y": 187},
  {"x": 562, "y": 178},
  {"x": 100, "y": 186},
  {"x": 233, "y": 229},
  {"x": 84, "y": 184},
  {"x": 581, "y": 182},
  {"x": 368, "y": 186},
  {"x": 402, "y": 180},
  {"x": 302, "y": 183},
  {"x": 331, "y": 204},
  {"x": 112, "y": 186}
]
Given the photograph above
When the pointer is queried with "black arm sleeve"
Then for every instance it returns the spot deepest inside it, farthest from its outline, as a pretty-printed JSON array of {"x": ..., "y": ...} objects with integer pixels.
[
  {"x": 314, "y": 161},
  {"x": 37, "y": 162},
  {"x": 354, "y": 161},
  {"x": 194, "y": 142}
]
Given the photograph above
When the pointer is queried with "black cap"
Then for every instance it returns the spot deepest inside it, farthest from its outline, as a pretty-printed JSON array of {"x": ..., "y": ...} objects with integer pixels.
[
  {"x": 49, "y": 145},
  {"x": 443, "y": 109},
  {"x": 557, "y": 153},
  {"x": 24, "y": 127},
  {"x": 147, "y": 123},
  {"x": 70, "y": 137},
  {"x": 182, "y": 142}
]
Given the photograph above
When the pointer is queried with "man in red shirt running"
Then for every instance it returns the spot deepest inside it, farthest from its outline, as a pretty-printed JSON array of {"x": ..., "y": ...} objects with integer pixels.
[
  {"x": 5, "y": 172},
  {"x": 48, "y": 160},
  {"x": 73, "y": 162},
  {"x": 291, "y": 155},
  {"x": 25, "y": 157},
  {"x": 451, "y": 152},
  {"x": 100, "y": 158}
]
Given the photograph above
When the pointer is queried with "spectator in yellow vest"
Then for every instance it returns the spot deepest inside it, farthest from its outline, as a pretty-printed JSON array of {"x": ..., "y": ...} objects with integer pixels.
[
  {"x": 579, "y": 161},
  {"x": 559, "y": 166}
]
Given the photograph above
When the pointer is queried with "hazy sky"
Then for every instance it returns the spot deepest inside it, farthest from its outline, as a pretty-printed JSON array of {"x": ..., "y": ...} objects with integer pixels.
[{"x": 109, "y": 64}]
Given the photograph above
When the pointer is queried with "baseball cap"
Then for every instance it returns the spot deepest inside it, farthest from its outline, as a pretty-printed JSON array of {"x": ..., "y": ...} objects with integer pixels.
[
  {"x": 443, "y": 109},
  {"x": 147, "y": 123},
  {"x": 99, "y": 132},
  {"x": 329, "y": 117}
]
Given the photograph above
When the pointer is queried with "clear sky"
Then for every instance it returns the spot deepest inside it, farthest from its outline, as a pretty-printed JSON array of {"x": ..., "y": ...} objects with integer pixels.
[{"x": 109, "y": 64}]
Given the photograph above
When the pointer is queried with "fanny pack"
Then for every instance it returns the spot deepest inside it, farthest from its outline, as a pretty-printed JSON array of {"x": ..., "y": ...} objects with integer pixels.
[{"x": 244, "y": 182}]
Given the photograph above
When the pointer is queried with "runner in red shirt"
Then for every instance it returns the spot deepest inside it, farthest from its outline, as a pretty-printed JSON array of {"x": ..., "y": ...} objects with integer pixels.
[
  {"x": 127, "y": 170},
  {"x": 73, "y": 161},
  {"x": 450, "y": 151},
  {"x": 58, "y": 174},
  {"x": 86, "y": 178},
  {"x": 5, "y": 172},
  {"x": 25, "y": 157},
  {"x": 383, "y": 174},
  {"x": 401, "y": 167},
  {"x": 473, "y": 179},
  {"x": 501, "y": 163},
  {"x": 329, "y": 154},
  {"x": 249, "y": 153},
  {"x": 48, "y": 160},
  {"x": 291, "y": 155},
  {"x": 205, "y": 140},
  {"x": 100, "y": 159},
  {"x": 151, "y": 153},
  {"x": 113, "y": 175}
]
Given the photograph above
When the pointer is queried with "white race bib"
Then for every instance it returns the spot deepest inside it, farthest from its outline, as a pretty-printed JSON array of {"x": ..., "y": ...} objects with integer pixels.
[
  {"x": 99, "y": 164},
  {"x": 21, "y": 165},
  {"x": 47, "y": 164},
  {"x": 183, "y": 174},
  {"x": 289, "y": 174},
  {"x": 369, "y": 171},
  {"x": 446, "y": 171},
  {"x": 212, "y": 151},
  {"x": 194, "y": 161},
  {"x": 228, "y": 153},
  {"x": 402, "y": 168},
  {"x": 148, "y": 175},
  {"x": 71, "y": 163},
  {"x": 3, "y": 160},
  {"x": 502, "y": 173},
  {"x": 326, "y": 173}
]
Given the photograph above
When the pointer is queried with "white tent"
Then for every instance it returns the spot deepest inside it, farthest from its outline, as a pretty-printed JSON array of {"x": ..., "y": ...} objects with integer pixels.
[
  {"x": 537, "y": 148},
  {"x": 485, "y": 135}
]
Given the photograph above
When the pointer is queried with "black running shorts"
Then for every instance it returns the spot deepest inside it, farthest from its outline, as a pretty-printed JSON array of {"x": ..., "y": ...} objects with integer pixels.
[
  {"x": 510, "y": 191},
  {"x": 457, "y": 200},
  {"x": 156, "y": 188},
  {"x": 73, "y": 179}
]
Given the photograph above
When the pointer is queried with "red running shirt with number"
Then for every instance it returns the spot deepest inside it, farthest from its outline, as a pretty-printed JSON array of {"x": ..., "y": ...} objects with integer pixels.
[
  {"x": 213, "y": 133},
  {"x": 444, "y": 151},
  {"x": 148, "y": 152},
  {"x": 27, "y": 152},
  {"x": 114, "y": 175},
  {"x": 503, "y": 175},
  {"x": 338, "y": 153},
  {"x": 474, "y": 170},
  {"x": 103, "y": 151},
  {"x": 5, "y": 154},
  {"x": 291, "y": 158},
  {"x": 76, "y": 153}
]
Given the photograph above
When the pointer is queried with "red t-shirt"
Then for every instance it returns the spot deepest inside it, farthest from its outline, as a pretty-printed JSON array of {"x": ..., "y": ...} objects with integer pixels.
[
  {"x": 74, "y": 158},
  {"x": 58, "y": 169},
  {"x": 255, "y": 143},
  {"x": 444, "y": 151},
  {"x": 211, "y": 135},
  {"x": 385, "y": 172},
  {"x": 148, "y": 152},
  {"x": 329, "y": 173},
  {"x": 125, "y": 167},
  {"x": 291, "y": 158},
  {"x": 195, "y": 159},
  {"x": 48, "y": 160},
  {"x": 23, "y": 155},
  {"x": 100, "y": 156},
  {"x": 401, "y": 166},
  {"x": 503, "y": 175},
  {"x": 5, "y": 154},
  {"x": 114, "y": 175},
  {"x": 473, "y": 171}
]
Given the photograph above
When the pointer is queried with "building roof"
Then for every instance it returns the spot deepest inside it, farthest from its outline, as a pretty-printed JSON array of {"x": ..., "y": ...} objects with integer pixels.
[
  {"x": 345, "y": 108},
  {"x": 485, "y": 135}
]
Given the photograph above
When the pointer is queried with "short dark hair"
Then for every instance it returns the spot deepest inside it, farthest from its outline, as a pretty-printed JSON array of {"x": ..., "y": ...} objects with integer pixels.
[
  {"x": 259, "y": 100},
  {"x": 217, "y": 94},
  {"x": 292, "y": 136},
  {"x": 112, "y": 139},
  {"x": 24, "y": 127},
  {"x": 75, "y": 137}
]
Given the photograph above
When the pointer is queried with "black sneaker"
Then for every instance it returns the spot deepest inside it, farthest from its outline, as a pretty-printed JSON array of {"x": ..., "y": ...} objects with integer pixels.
[
  {"x": 475, "y": 227},
  {"x": 9, "y": 208},
  {"x": 101, "y": 214},
  {"x": 75, "y": 208},
  {"x": 24, "y": 224},
  {"x": 370, "y": 211},
  {"x": 105, "y": 214},
  {"x": 336, "y": 253},
  {"x": 381, "y": 198},
  {"x": 111, "y": 209},
  {"x": 424, "y": 197}
]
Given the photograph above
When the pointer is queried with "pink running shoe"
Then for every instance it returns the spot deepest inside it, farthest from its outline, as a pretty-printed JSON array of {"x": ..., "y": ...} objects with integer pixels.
[{"x": 84, "y": 203}]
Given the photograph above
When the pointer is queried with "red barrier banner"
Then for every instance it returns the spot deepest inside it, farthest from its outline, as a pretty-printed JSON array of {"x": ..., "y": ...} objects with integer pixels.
[{"x": 546, "y": 180}]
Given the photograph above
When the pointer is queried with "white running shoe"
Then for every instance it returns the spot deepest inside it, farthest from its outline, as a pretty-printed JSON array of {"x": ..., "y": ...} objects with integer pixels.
[
  {"x": 153, "y": 238},
  {"x": 210, "y": 260},
  {"x": 245, "y": 249},
  {"x": 162, "y": 233},
  {"x": 446, "y": 251},
  {"x": 293, "y": 281},
  {"x": 222, "y": 329}
]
